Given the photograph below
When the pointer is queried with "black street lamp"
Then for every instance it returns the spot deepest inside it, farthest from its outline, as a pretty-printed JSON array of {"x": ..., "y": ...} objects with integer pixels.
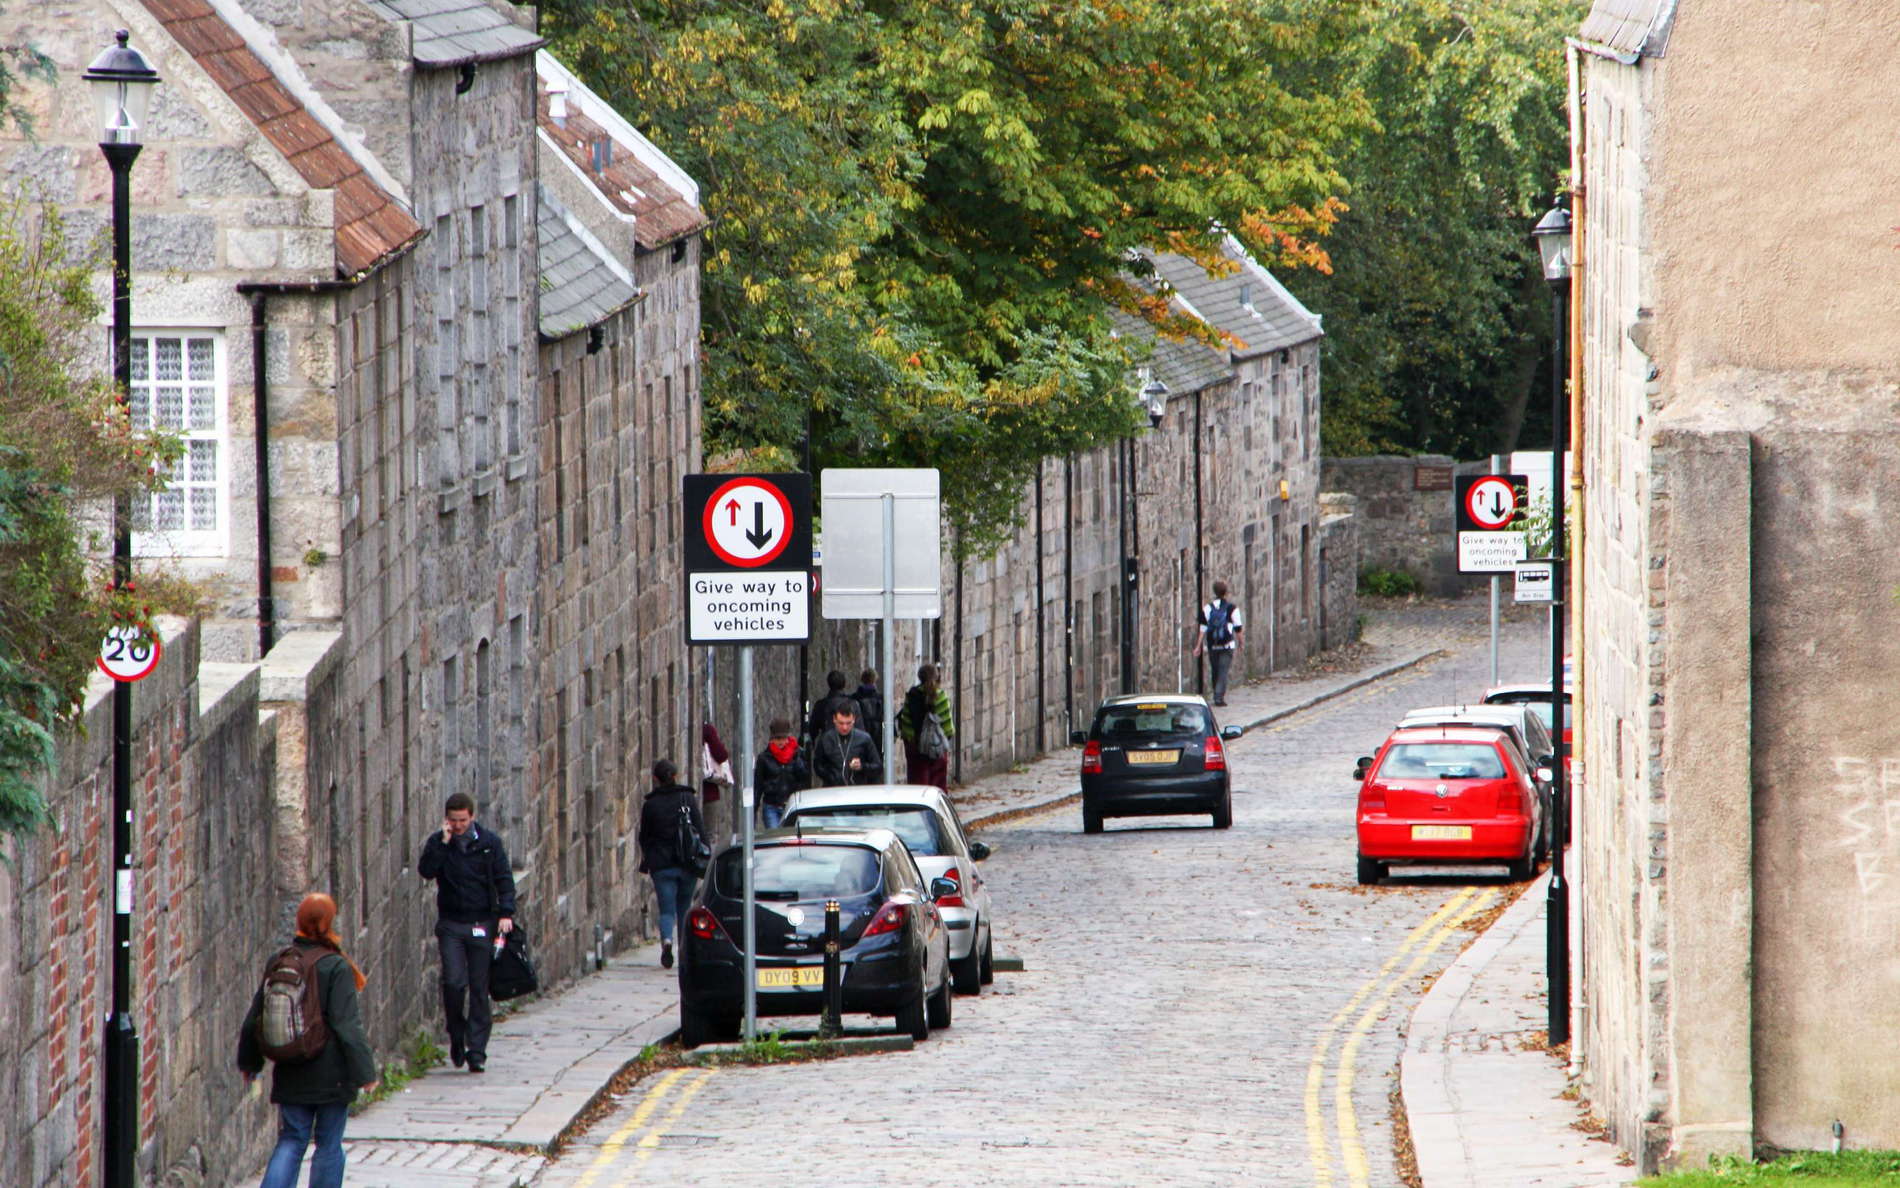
[
  {"x": 1154, "y": 401},
  {"x": 1552, "y": 234},
  {"x": 121, "y": 82}
]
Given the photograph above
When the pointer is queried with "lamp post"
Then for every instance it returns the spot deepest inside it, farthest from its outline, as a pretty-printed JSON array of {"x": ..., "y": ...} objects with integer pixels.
[
  {"x": 1154, "y": 400},
  {"x": 1552, "y": 234},
  {"x": 121, "y": 81}
]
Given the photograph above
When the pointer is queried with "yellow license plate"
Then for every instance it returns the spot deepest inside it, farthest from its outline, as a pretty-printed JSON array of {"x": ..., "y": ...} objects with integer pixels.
[
  {"x": 1441, "y": 833},
  {"x": 1154, "y": 756},
  {"x": 780, "y": 979}
]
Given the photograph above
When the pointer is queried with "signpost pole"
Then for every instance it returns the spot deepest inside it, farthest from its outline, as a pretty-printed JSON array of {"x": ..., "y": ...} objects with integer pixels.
[
  {"x": 890, "y": 627},
  {"x": 745, "y": 808},
  {"x": 1496, "y": 468}
]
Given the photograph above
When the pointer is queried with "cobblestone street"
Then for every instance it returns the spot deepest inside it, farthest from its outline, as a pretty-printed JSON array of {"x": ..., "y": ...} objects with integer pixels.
[{"x": 1199, "y": 1007}]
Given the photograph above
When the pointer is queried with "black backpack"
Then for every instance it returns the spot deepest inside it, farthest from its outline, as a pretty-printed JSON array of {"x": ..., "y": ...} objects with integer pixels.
[{"x": 694, "y": 853}]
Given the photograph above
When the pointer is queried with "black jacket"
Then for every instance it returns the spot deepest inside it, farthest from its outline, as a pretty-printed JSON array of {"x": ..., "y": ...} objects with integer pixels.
[
  {"x": 831, "y": 759},
  {"x": 777, "y": 781},
  {"x": 473, "y": 881},
  {"x": 659, "y": 826},
  {"x": 820, "y": 721},
  {"x": 870, "y": 701},
  {"x": 346, "y": 1064}
]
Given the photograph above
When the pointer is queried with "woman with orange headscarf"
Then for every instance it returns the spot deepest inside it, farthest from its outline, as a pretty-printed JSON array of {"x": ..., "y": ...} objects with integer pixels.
[{"x": 313, "y": 1096}]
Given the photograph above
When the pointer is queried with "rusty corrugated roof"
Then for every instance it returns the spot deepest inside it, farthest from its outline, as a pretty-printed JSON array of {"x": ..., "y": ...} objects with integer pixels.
[
  {"x": 660, "y": 213},
  {"x": 370, "y": 224}
]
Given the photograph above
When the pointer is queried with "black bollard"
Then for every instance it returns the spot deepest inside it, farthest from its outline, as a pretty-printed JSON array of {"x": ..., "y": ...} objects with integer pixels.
[{"x": 832, "y": 1024}]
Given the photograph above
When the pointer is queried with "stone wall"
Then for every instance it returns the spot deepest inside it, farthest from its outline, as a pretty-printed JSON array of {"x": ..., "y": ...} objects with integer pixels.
[
  {"x": 1405, "y": 517},
  {"x": 205, "y": 915}
]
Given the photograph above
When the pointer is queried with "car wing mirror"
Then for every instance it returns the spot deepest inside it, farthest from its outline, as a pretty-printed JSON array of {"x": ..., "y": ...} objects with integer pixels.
[
  {"x": 1546, "y": 775},
  {"x": 1230, "y": 733},
  {"x": 1360, "y": 768},
  {"x": 1078, "y": 738},
  {"x": 940, "y": 887},
  {"x": 978, "y": 851}
]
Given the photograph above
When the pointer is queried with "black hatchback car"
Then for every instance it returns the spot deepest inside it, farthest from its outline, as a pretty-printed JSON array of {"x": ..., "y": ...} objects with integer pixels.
[
  {"x": 1151, "y": 755},
  {"x": 895, "y": 949}
]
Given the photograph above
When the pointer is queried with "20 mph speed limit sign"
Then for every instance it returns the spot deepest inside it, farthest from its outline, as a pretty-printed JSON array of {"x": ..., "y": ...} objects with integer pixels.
[{"x": 129, "y": 653}]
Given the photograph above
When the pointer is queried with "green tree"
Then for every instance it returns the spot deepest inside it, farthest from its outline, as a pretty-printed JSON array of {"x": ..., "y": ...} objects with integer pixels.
[
  {"x": 66, "y": 445},
  {"x": 1436, "y": 322},
  {"x": 921, "y": 206}
]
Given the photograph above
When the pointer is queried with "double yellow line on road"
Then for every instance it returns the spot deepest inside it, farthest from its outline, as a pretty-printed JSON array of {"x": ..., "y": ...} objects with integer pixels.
[
  {"x": 1370, "y": 1000},
  {"x": 638, "y": 1123}
]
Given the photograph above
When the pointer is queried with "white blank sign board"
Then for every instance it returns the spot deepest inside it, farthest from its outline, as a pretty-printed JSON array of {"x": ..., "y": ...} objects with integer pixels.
[{"x": 852, "y": 520}]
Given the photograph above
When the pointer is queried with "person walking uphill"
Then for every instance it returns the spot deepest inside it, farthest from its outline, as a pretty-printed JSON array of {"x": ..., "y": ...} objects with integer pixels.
[
  {"x": 1221, "y": 630},
  {"x": 779, "y": 771},
  {"x": 475, "y": 908},
  {"x": 311, "y": 1090},
  {"x": 927, "y": 725},
  {"x": 670, "y": 811},
  {"x": 835, "y": 695},
  {"x": 844, "y": 754}
]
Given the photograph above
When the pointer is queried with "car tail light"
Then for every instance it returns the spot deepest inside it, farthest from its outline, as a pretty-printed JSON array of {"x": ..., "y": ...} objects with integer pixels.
[
  {"x": 954, "y": 899},
  {"x": 704, "y": 924},
  {"x": 1508, "y": 802},
  {"x": 1092, "y": 757},
  {"x": 891, "y": 917},
  {"x": 1371, "y": 797},
  {"x": 1215, "y": 755}
]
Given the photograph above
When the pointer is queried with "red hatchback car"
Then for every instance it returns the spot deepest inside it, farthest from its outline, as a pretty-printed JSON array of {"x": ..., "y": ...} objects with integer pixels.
[{"x": 1448, "y": 796}]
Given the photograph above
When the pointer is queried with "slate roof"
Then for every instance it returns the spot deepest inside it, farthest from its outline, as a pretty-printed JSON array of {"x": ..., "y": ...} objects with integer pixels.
[
  {"x": 635, "y": 180},
  {"x": 580, "y": 283},
  {"x": 1184, "y": 365},
  {"x": 370, "y": 224},
  {"x": 1631, "y": 26},
  {"x": 1249, "y": 304},
  {"x": 456, "y": 32}
]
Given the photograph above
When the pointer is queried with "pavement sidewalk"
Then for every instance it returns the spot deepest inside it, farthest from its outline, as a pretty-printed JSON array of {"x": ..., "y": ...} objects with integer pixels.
[
  {"x": 551, "y": 1058},
  {"x": 1487, "y": 1110}
]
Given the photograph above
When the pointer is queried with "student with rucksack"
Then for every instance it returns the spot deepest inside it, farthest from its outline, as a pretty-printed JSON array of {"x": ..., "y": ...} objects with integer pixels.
[
  {"x": 304, "y": 1019},
  {"x": 926, "y": 724},
  {"x": 1221, "y": 629},
  {"x": 673, "y": 850}
]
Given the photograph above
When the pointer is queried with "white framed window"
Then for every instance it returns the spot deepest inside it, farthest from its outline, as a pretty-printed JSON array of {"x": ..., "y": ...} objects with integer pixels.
[{"x": 179, "y": 386}]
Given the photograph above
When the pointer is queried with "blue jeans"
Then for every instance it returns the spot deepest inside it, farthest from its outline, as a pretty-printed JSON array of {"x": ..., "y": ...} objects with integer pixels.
[
  {"x": 772, "y": 814},
  {"x": 295, "y": 1125},
  {"x": 674, "y": 885}
]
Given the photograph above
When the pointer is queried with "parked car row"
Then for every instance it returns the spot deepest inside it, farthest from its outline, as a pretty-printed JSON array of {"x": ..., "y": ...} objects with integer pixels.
[
  {"x": 1460, "y": 785},
  {"x": 915, "y": 919}
]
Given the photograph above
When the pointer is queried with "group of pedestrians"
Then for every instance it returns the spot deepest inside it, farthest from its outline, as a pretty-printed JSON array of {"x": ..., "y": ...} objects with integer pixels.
[{"x": 843, "y": 741}]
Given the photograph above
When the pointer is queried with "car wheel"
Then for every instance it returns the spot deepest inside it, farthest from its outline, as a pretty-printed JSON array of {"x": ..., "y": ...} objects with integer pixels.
[
  {"x": 1522, "y": 870},
  {"x": 989, "y": 958},
  {"x": 939, "y": 1005},
  {"x": 695, "y": 1028},
  {"x": 1370, "y": 871},
  {"x": 1091, "y": 819},
  {"x": 912, "y": 1021},
  {"x": 968, "y": 971},
  {"x": 1224, "y": 815}
]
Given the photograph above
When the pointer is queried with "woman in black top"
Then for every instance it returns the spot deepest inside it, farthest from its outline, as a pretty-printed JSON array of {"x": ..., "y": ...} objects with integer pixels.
[{"x": 660, "y": 850}]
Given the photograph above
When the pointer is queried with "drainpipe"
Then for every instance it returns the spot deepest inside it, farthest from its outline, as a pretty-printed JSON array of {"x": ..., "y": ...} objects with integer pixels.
[
  {"x": 956, "y": 662},
  {"x": 1042, "y": 655},
  {"x": 1068, "y": 592},
  {"x": 1200, "y": 545},
  {"x": 260, "y": 421},
  {"x": 1579, "y": 269}
]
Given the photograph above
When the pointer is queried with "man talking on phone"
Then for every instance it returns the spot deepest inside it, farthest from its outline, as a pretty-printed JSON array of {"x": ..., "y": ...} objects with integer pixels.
[{"x": 475, "y": 911}]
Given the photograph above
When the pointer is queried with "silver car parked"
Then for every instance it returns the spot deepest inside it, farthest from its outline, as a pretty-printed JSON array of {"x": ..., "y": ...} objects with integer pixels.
[{"x": 928, "y": 824}]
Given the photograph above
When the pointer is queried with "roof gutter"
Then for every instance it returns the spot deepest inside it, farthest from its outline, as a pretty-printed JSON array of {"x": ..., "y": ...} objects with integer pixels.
[{"x": 1599, "y": 50}]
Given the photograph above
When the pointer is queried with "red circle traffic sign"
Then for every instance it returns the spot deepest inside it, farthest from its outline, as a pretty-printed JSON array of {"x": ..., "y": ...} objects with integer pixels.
[
  {"x": 129, "y": 654},
  {"x": 747, "y": 522},
  {"x": 1491, "y": 503}
]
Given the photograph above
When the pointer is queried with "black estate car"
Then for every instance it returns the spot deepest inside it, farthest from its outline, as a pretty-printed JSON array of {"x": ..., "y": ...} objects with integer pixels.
[
  {"x": 1154, "y": 754},
  {"x": 896, "y": 957}
]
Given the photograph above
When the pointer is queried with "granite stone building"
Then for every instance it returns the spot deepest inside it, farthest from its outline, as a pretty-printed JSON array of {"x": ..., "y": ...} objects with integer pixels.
[
  {"x": 426, "y": 311},
  {"x": 1736, "y": 387}
]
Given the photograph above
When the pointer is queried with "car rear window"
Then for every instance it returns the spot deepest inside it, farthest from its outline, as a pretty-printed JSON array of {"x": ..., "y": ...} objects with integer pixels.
[
  {"x": 1539, "y": 704},
  {"x": 798, "y": 871},
  {"x": 1152, "y": 720},
  {"x": 919, "y": 827},
  {"x": 1442, "y": 761}
]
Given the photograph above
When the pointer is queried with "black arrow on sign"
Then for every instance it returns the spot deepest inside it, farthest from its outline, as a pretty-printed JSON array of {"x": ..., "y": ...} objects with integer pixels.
[
  {"x": 1497, "y": 506},
  {"x": 759, "y": 533}
]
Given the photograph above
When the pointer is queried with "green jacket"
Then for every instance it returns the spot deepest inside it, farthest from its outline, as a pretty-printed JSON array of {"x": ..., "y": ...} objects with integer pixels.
[
  {"x": 912, "y": 715},
  {"x": 345, "y": 1064}
]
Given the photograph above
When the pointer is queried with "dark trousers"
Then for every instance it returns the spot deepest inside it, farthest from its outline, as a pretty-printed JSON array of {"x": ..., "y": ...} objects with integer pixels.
[
  {"x": 1219, "y": 660},
  {"x": 465, "y": 961},
  {"x": 935, "y": 772}
]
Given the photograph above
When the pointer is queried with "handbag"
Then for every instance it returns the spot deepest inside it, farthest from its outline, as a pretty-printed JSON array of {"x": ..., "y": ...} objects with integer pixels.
[
  {"x": 714, "y": 773},
  {"x": 512, "y": 973}
]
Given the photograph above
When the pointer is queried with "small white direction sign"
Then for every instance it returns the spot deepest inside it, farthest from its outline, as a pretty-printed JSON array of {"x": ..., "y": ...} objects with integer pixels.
[
  {"x": 129, "y": 653},
  {"x": 748, "y": 607},
  {"x": 1535, "y": 582},
  {"x": 1490, "y": 552}
]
